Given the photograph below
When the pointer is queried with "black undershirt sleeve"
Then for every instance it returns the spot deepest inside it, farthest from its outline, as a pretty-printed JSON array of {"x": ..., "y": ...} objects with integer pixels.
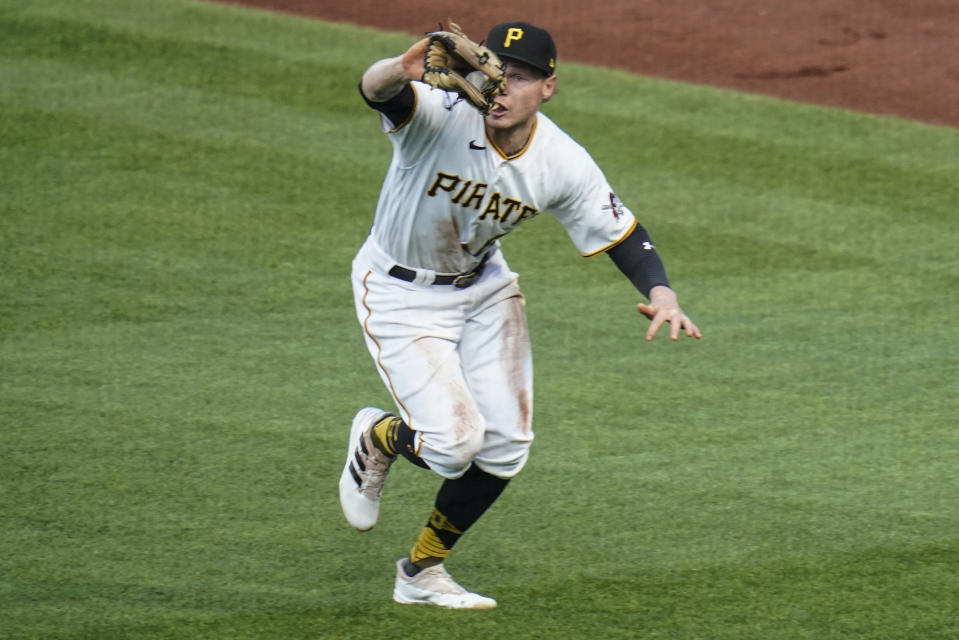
[
  {"x": 398, "y": 108},
  {"x": 638, "y": 259}
]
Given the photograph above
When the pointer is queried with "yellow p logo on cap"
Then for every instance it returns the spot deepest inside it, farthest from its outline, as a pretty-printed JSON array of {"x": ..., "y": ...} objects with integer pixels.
[{"x": 513, "y": 34}]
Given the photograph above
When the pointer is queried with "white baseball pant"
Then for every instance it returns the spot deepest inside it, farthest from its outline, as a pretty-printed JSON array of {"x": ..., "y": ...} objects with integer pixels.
[{"x": 457, "y": 362}]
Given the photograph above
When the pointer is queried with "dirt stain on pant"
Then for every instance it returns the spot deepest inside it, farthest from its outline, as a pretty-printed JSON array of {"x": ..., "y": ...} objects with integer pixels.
[{"x": 514, "y": 355}]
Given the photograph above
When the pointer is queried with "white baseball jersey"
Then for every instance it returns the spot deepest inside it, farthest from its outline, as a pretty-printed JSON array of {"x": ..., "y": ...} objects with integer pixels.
[{"x": 450, "y": 193}]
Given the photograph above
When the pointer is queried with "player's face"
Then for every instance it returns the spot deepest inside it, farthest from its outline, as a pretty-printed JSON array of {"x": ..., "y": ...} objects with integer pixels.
[{"x": 526, "y": 90}]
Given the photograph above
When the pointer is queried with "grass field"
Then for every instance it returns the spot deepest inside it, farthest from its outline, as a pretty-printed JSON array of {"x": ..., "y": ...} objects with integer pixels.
[{"x": 182, "y": 187}]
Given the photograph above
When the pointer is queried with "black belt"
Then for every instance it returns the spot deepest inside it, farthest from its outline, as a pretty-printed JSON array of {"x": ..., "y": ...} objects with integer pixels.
[{"x": 458, "y": 280}]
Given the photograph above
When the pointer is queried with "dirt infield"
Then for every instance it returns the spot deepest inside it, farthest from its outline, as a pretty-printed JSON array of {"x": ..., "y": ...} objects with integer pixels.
[{"x": 893, "y": 57}]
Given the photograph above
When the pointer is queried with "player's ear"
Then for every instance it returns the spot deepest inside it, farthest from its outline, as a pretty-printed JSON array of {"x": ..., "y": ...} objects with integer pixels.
[{"x": 549, "y": 88}]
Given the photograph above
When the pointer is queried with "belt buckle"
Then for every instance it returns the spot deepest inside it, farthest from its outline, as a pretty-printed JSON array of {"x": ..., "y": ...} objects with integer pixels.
[{"x": 464, "y": 280}]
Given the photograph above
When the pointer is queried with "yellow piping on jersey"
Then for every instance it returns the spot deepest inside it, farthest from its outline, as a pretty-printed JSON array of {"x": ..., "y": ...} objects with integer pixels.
[
  {"x": 521, "y": 151},
  {"x": 613, "y": 244}
]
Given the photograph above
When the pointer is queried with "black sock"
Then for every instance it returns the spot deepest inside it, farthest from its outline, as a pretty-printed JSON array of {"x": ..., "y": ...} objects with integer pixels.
[{"x": 459, "y": 504}]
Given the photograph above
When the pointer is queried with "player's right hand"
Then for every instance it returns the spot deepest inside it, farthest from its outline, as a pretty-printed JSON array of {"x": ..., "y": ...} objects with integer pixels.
[{"x": 414, "y": 60}]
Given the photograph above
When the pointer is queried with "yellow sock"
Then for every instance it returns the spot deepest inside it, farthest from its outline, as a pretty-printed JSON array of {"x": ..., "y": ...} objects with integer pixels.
[
  {"x": 435, "y": 542},
  {"x": 384, "y": 434}
]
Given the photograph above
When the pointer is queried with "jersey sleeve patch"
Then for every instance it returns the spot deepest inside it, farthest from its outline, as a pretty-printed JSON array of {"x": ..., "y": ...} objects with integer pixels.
[
  {"x": 593, "y": 215},
  {"x": 615, "y": 206}
]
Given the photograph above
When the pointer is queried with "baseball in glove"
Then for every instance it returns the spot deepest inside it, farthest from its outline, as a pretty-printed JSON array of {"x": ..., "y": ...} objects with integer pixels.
[{"x": 455, "y": 63}]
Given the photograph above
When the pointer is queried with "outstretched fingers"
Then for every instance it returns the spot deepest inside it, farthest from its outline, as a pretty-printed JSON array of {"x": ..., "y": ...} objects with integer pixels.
[{"x": 677, "y": 320}]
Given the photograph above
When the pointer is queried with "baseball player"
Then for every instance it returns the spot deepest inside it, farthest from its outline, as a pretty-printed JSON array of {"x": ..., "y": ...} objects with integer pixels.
[{"x": 441, "y": 312}]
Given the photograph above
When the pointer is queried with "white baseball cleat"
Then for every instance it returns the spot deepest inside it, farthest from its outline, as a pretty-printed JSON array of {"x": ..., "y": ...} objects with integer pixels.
[
  {"x": 434, "y": 585},
  {"x": 361, "y": 483}
]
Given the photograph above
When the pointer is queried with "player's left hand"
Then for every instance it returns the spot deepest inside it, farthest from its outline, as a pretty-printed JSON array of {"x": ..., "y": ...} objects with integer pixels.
[{"x": 664, "y": 307}]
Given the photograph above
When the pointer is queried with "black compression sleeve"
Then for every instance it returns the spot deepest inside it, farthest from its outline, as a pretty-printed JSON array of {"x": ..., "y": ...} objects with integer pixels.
[
  {"x": 398, "y": 108},
  {"x": 638, "y": 259}
]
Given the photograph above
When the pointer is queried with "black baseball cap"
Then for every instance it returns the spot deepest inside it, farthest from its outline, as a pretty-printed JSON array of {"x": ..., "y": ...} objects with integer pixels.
[{"x": 524, "y": 42}]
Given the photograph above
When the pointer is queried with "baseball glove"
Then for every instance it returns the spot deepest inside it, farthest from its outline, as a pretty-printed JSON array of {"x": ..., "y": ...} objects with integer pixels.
[{"x": 455, "y": 63}]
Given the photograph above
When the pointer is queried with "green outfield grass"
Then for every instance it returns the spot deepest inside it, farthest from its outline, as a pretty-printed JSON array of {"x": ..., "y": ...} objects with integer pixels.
[{"x": 182, "y": 188}]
